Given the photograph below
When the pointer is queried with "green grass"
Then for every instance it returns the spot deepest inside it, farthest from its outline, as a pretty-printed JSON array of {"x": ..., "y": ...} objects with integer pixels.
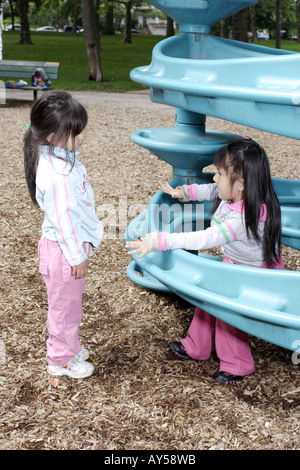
[
  {"x": 286, "y": 44},
  {"x": 117, "y": 59}
]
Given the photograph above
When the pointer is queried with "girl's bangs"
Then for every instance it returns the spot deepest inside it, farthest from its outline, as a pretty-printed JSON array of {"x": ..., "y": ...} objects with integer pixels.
[{"x": 221, "y": 159}]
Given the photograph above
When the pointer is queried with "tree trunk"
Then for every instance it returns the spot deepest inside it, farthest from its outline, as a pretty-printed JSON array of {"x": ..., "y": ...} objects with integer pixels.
[
  {"x": 92, "y": 43},
  {"x": 239, "y": 25},
  {"x": 12, "y": 13},
  {"x": 75, "y": 19},
  {"x": 109, "y": 21},
  {"x": 225, "y": 28},
  {"x": 278, "y": 24},
  {"x": 127, "y": 32},
  {"x": 25, "y": 29},
  {"x": 57, "y": 16},
  {"x": 170, "y": 27},
  {"x": 298, "y": 18},
  {"x": 252, "y": 10}
]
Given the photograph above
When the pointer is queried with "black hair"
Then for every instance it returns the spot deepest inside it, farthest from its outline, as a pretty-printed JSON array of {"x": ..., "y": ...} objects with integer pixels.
[
  {"x": 55, "y": 114},
  {"x": 248, "y": 160}
]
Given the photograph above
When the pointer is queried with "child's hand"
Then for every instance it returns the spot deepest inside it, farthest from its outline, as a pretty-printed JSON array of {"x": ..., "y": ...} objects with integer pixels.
[
  {"x": 166, "y": 188},
  {"x": 80, "y": 270},
  {"x": 139, "y": 245}
]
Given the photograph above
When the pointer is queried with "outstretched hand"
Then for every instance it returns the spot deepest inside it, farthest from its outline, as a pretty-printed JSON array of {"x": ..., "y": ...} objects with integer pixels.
[
  {"x": 166, "y": 188},
  {"x": 139, "y": 245}
]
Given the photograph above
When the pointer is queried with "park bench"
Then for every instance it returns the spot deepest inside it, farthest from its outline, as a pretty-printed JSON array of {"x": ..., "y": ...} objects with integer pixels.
[{"x": 24, "y": 69}]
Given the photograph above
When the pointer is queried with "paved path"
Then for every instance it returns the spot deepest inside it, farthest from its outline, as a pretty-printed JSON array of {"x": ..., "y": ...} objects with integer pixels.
[{"x": 133, "y": 99}]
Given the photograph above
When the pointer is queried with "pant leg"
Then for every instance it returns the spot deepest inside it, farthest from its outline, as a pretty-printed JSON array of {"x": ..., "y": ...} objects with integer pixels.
[
  {"x": 200, "y": 335},
  {"x": 64, "y": 303},
  {"x": 231, "y": 343},
  {"x": 233, "y": 350}
]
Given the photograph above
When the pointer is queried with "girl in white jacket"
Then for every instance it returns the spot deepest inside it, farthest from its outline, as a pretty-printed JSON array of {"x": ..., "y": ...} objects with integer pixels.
[
  {"x": 246, "y": 224},
  {"x": 59, "y": 185}
]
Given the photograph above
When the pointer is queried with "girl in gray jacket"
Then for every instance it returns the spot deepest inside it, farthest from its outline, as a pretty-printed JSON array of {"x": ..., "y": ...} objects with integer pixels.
[{"x": 246, "y": 224}]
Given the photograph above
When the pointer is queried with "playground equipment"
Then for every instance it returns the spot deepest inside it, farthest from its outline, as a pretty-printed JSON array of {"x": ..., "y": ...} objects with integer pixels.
[{"x": 255, "y": 86}]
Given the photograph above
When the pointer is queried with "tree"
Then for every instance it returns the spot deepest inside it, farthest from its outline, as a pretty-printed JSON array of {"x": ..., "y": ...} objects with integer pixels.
[
  {"x": 92, "y": 40},
  {"x": 225, "y": 23},
  {"x": 298, "y": 19},
  {"x": 278, "y": 24},
  {"x": 127, "y": 32},
  {"x": 128, "y": 4},
  {"x": 170, "y": 27},
  {"x": 252, "y": 12},
  {"x": 109, "y": 20},
  {"x": 267, "y": 16},
  {"x": 239, "y": 25},
  {"x": 11, "y": 4},
  {"x": 75, "y": 17},
  {"x": 25, "y": 29}
]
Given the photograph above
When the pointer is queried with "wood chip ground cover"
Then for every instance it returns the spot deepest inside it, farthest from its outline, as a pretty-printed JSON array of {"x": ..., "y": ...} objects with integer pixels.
[{"x": 141, "y": 396}]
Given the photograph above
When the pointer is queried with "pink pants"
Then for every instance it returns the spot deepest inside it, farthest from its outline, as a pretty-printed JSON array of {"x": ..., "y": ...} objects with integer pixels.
[
  {"x": 231, "y": 343},
  {"x": 64, "y": 303}
]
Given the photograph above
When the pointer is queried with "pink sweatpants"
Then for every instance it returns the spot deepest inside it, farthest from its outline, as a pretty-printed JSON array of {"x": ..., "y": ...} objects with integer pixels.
[
  {"x": 231, "y": 343},
  {"x": 64, "y": 303}
]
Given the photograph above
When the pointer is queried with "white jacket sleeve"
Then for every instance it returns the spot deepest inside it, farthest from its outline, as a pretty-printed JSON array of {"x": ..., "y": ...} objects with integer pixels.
[
  {"x": 200, "y": 240},
  {"x": 218, "y": 234},
  {"x": 199, "y": 192}
]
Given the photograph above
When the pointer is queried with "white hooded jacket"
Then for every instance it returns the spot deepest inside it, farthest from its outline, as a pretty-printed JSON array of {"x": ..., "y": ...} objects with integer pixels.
[{"x": 65, "y": 196}]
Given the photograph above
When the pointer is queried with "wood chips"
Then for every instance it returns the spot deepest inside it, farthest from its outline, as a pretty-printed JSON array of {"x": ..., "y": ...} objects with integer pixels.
[{"x": 141, "y": 396}]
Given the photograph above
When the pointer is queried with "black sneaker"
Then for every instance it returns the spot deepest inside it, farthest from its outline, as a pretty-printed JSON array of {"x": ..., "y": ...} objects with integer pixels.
[
  {"x": 226, "y": 378},
  {"x": 179, "y": 350}
]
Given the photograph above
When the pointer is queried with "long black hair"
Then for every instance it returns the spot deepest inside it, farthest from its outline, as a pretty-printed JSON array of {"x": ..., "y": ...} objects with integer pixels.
[
  {"x": 54, "y": 118},
  {"x": 248, "y": 160}
]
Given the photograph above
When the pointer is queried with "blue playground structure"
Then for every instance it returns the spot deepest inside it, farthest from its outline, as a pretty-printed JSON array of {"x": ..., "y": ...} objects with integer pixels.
[{"x": 251, "y": 85}]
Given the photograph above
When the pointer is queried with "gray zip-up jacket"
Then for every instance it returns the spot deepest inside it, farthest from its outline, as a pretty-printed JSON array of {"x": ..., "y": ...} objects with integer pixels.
[{"x": 227, "y": 230}]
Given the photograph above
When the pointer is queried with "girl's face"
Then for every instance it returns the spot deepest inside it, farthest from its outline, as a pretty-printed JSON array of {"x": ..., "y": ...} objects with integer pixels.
[
  {"x": 228, "y": 191},
  {"x": 78, "y": 141},
  {"x": 70, "y": 143}
]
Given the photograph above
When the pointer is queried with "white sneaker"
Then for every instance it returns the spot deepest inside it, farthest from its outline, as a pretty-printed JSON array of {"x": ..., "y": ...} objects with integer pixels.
[
  {"x": 83, "y": 355},
  {"x": 74, "y": 369}
]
